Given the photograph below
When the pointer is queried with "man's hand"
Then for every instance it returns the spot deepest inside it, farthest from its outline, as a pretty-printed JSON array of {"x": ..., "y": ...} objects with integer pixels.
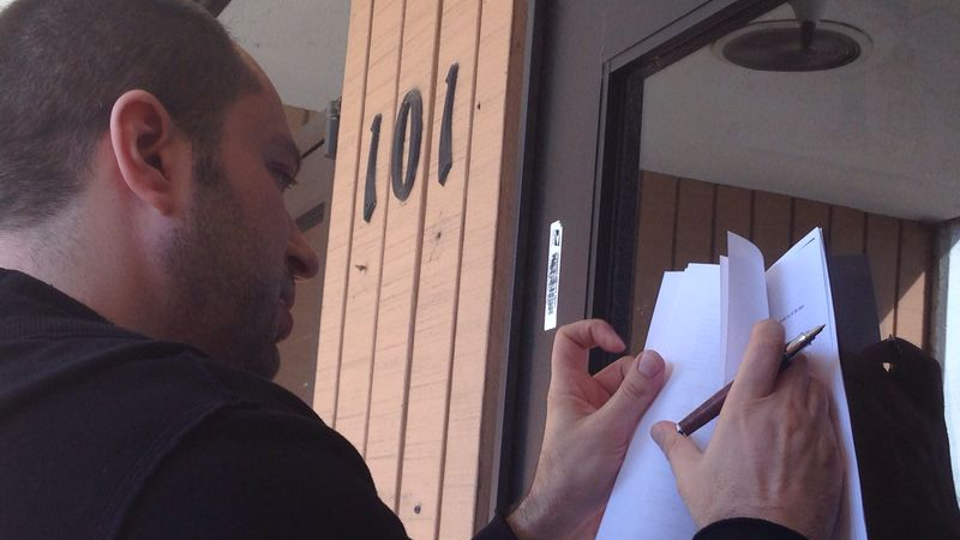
[
  {"x": 774, "y": 453},
  {"x": 590, "y": 421}
]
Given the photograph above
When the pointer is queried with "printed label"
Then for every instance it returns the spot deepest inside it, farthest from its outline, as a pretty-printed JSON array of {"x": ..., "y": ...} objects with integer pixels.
[{"x": 553, "y": 276}]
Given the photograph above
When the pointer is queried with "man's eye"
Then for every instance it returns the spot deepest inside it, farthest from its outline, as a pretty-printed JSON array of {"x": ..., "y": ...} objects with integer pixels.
[{"x": 284, "y": 181}]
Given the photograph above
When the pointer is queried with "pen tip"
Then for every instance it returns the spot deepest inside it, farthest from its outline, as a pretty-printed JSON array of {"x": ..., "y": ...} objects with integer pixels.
[{"x": 817, "y": 330}]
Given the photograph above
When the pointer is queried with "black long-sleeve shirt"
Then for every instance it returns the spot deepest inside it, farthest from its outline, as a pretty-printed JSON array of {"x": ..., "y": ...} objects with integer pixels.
[{"x": 107, "y": 434}]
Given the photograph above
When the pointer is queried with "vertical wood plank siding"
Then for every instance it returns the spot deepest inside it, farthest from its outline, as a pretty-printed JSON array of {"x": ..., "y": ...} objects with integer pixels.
[
  {"x": 366, "y": 254},
  {"x": 433, "y": 342},
  {"x": 476, "y": 376},
  {"x": 401, "y": 262},
  {"x": 341, "y": 210},
  {"x": 412, "y": 298},
  {"x": 899, "y": 250}
]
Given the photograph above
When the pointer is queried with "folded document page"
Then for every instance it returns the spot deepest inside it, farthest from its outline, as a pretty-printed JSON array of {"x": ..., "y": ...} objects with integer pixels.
[{"x": 701, "y": 325}]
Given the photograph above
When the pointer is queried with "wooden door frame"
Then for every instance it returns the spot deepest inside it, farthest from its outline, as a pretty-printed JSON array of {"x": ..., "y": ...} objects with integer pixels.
[{"x": 581, "y": 142}]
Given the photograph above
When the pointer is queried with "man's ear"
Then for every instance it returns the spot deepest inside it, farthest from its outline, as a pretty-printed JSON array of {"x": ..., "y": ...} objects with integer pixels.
[{"x": 147, "y": 149}]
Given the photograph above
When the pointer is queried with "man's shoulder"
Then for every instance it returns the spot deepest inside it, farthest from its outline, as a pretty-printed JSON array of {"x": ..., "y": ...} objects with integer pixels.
[
  {"x": 87, "y": 418},
  {"x": 119, "y": 366}
]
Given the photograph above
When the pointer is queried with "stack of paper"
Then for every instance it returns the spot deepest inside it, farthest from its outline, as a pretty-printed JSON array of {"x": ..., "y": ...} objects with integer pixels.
[{"x": 701, "y": 325}]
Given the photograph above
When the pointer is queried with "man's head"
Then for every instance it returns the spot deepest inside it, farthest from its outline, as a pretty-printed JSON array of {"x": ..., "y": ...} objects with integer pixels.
[
  {"x": 64, "y": 63},
  {"x": 152, "y": 152}
]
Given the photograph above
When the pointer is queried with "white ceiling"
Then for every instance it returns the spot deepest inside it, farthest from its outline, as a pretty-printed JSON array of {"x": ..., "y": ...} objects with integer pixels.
[
  {"x": 301, "y": 44},
  {"x": 881, "y": 135}
]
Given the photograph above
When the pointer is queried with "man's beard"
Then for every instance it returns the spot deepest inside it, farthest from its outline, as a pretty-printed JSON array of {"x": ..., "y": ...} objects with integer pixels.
[{"x": 224, "y": 296}]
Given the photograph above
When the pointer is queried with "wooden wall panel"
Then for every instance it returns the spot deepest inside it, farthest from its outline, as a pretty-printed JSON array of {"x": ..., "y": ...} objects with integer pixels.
[
  {"x": 694, "y": 243},
  {"x": 734, "y": 213},
  {"x": 401, "y": 262},
  {"x": 772, "y": 224},
  {"x": 433, "y": 342},
  {"x": 341, "y": 211},
  {"x": 366, "y": 255},
  {"x": 808, "y": 215},
  {"x": 412, "y": 333},
  {"x": 477, "y": 373},
  {"x": 883, "y": 250},
  {"x": 913, "y": 282},
  {"x": 899, "y": 251},
  {"x": 847, "y": 231},
  {"x": 655, "y": 242}
]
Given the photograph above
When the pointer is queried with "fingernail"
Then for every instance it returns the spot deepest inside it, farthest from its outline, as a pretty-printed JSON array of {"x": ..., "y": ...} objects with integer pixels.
[
  {"x": 657, "y": 433},
  {"x": 650, "y": 365}
]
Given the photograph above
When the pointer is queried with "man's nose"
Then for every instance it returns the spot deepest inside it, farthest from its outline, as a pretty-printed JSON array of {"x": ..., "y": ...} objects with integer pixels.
[{"x": 301, "y": 258}]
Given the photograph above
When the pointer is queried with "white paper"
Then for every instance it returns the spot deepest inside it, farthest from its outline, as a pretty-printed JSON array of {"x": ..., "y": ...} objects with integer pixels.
[
  {"x": 645, "y": 503},
  {"x": 745, "y": 300},
  {"x": 798, "y": 286},
  {"x": 691, "y": 309}
]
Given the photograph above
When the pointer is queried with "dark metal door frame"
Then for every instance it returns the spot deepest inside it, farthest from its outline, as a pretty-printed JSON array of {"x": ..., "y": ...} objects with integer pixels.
[{"x": 586, "y": 63}]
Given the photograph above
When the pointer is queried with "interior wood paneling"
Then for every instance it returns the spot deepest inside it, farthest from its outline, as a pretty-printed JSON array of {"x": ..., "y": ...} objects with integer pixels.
[
  {"x": 734, "y": 213},
  {"x": 899, "y": 251},
  {"x": 695, "y": 220},
  {"x": 808, "y": 215},
  {"x": 847, "y": 230},
  {"x": 913, "y": 282},
  {"x": 655, "y": 240},
  {"x": 883, "y": 251},
  {"x": 772, "y": 223}
]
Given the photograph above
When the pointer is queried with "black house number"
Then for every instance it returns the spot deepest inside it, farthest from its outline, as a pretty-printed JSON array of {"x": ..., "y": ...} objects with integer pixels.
[{"x": 403, "y": 172}]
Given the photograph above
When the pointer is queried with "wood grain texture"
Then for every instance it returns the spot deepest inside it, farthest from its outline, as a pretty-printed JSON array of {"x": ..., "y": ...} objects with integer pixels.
[
  {"x": 734, "y": 214},
  {"x": 847, "y": 230},
  {"x": 478, "y": 372},
  {"x": 401, "y": 263},
  {"x": 807, "y": 215},
  {"x": 772, "y": 224},
  {"x": 433, "y": 341},
  {"x": 341, "y": 211},
  {"x": 915, "y": 263},
  {"x": 410, "y": 322},
  {"x": 900, "y": 262},
  {"x": 655, "y": 235},
  {"x": 694, "y": 239},
  {"x": 366, "y": 254},
  {"x": 883, "y": 253}
]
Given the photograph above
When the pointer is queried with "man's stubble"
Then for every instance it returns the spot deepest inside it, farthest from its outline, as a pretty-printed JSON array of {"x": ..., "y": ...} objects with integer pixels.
[{"x": 224, "y": 296}]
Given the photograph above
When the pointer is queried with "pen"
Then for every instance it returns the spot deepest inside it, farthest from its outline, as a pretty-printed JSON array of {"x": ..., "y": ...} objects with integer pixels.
[{"x": 711, "y": 407}]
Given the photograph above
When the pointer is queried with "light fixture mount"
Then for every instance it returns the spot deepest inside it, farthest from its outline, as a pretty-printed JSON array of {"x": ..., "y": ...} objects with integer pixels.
[{"x": 793, "y": 46}]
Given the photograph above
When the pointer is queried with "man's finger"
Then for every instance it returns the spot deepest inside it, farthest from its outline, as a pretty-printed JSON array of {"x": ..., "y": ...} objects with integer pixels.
[
  {"x": 612, "y": 376},
  {"x": 796, "y": 376},
  {"x": 757, "y": 376},
  {"x": 682, "y": 453},
  {"x": 626, "y": 406},
  {"x": 573, "y": 341}
]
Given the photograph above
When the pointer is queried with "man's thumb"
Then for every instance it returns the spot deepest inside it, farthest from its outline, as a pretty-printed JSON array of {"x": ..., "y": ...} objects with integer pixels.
[{"x": 680, "y": 451}]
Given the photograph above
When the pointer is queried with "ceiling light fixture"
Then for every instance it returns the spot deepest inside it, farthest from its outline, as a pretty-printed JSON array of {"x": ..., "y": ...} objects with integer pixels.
[{"x": 804, "y": 44}]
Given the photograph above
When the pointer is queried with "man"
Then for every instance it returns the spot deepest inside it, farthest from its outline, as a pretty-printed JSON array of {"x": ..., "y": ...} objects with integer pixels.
[{"x": 147, "y": 269}]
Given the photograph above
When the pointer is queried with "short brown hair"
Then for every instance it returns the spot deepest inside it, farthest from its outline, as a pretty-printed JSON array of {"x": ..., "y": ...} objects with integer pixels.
[{"x": 64, "y": 63}]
